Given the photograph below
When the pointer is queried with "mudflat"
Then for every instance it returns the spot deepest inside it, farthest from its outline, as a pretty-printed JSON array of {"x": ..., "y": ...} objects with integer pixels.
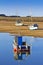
[{"x": 7, "y": 25}]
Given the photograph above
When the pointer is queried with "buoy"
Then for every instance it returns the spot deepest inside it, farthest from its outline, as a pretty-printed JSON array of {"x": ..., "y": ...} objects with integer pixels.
[{"x": 15, "y": 49}]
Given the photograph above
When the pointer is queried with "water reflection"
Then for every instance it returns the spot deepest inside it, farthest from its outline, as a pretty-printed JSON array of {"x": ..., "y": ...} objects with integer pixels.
[{"x": 6, "y": 50}]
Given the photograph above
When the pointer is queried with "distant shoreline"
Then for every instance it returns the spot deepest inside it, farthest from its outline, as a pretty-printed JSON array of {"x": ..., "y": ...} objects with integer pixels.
[{"x": 25, "y": 19}]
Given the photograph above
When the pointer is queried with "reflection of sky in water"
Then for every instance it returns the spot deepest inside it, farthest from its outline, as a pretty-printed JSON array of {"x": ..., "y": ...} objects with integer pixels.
[{"x": 6, "y": 51}]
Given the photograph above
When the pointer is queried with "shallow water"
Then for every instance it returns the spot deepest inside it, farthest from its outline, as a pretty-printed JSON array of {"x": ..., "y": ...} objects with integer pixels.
[{"x": 6, "y": 51}]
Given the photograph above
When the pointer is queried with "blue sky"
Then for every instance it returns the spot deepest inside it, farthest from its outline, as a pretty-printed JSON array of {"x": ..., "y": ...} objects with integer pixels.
[{"x": 21, "y": 7}]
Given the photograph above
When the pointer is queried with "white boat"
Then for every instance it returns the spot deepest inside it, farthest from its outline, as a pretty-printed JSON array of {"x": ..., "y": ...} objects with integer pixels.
[
  {"x": 33, "y": 27},
  {"x": 18, "y": 23}
]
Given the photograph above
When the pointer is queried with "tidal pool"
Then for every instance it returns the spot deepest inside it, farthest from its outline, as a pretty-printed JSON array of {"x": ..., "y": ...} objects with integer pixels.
[{"x": 6, "y": 50}]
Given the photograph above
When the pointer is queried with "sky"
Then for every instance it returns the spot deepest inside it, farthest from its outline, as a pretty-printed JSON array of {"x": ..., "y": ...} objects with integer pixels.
[{"x": 21, "y": 7}]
